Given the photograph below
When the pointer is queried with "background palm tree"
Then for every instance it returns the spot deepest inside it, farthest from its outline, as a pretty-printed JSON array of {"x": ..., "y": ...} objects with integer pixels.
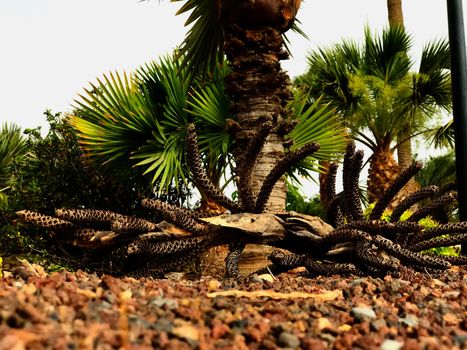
[{"x": 374, "y": 90}]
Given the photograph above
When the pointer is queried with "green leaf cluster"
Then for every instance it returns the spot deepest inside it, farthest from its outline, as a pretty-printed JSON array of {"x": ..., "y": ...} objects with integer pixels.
[
  {"x": 374, "y": 85},
  {"x": 139, "y": 120}
]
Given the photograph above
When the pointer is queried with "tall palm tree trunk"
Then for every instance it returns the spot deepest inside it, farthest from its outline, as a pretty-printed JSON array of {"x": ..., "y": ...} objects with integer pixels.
[
  {"x": 395, "y": 14},
  {"x": 258, "y": 89},
  {"x": 383, "y": 171},
  {"x": 404, "y": 148}
]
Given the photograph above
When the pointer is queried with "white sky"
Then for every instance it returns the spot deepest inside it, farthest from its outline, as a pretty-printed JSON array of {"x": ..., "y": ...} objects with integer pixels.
[{"x": 51, "y": 49}]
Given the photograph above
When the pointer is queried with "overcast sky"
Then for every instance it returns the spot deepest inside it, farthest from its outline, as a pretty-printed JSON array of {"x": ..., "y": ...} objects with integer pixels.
[{"x": 51, "y": 49}]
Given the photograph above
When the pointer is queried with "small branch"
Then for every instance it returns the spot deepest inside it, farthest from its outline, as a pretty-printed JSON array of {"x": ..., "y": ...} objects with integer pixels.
[
  {"x": 453, "y": 227},
  {"x": 353, "y": 196},
  {"x": 231, "y": 261},
  {"x": 45, "y": 221},
  {"x": 246, "y": 165},
  {"x": 178, "y": 216},
  {"x": 366, "y": 255},
  {"x": 346, "y": 177},
  {"x": 87, "y": 215}
]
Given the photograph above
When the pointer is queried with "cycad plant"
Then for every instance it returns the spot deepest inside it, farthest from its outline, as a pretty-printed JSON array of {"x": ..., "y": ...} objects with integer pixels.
[{"x": 374, "y": 89}]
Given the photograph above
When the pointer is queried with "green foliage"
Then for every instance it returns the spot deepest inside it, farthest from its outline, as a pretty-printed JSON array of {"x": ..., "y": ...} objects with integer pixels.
[
  {"x": 439, "y": 171},
  {"x": 140, "y": 121},
  {"x": 53, "y": 174},
  {"x": 111, "y": 112},
  {"x": 317, "y": 123},
  {"x": 373, "y": 88},
  {"x": 300, "y": 204},
  {"x": 12, "y": 146}
]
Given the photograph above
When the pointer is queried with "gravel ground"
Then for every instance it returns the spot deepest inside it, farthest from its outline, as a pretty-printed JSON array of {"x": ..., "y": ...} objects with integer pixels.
[{"x": 78, "y": 310}]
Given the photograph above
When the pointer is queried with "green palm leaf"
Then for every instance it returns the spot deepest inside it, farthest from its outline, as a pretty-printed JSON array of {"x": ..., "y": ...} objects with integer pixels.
[
  {"x": 317, "y": 123},
  {"x": 12, "y": 145}
]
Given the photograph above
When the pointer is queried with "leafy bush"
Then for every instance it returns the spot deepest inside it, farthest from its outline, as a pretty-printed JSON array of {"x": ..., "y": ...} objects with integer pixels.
[{"x": 300, "y": 204}]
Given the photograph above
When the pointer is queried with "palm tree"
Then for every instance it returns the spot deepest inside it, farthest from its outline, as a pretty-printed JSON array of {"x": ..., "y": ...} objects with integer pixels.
[
  {"x": 12, "y": 146},
  {"x": 140, "y": 120},
  {"x": 375, "y": 91}
]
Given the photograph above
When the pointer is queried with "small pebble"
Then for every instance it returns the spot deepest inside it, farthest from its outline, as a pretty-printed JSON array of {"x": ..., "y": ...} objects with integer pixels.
[
  {"x": 288, "y": 340},
  {"x": 362, "y": 313},
  {"x": 390, "y": 344},
  {"x": 410, "y": 320}
]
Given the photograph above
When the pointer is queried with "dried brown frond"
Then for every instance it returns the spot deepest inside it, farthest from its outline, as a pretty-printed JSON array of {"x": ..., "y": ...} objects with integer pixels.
[
  {"x": 45, "y": 221},
  {"x": 200, "y": 178},
  {"x": 393, "y": 189},
  {"x": 413, "y": 198},
  {"x": 437, "y": 204},
  {"x": 408, "y": 256},
  {"x": 280, "y": 169}
]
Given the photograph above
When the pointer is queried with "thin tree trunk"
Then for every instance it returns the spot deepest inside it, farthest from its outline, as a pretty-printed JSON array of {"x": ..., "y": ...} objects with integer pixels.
[
  {"x": 404, "y": 148},
  {"x": 395, "y": 15}
]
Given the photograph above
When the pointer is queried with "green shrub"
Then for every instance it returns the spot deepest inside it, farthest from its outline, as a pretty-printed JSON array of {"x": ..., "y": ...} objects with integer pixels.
[{"x": 54, "y": 173}]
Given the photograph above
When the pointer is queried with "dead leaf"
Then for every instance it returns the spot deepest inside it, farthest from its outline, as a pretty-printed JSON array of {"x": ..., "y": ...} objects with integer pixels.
[{"x": 319, "y": 297}]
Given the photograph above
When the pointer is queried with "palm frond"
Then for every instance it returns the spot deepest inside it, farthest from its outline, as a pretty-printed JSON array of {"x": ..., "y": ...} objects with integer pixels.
[
  {"x": 387, "y": 56},
  {"x": 210, "y": 108},
  {"x": 12, "y": 145},
  {"x": 317, "y": 123},
  {"x": 202, "y": 49},
  {"x": 443, "y": 137}
]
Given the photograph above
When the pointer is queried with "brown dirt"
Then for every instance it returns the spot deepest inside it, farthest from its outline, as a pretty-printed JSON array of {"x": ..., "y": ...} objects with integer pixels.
[{"x": 78, "y": 310}]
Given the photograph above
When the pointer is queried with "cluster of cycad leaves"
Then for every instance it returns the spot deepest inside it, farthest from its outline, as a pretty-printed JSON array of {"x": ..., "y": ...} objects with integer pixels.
[{"x": 127, "y": 245}]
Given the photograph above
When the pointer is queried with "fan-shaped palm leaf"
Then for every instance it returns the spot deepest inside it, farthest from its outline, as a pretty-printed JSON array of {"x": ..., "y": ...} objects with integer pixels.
[
  {"x": 12, "y": 145},
  {"x": 317, "y": 123},
  {"x": 202, "y": 49}
]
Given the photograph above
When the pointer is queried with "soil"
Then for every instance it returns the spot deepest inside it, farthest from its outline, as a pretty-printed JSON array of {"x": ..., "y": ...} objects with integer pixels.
[{"x": 65, "y": 310}]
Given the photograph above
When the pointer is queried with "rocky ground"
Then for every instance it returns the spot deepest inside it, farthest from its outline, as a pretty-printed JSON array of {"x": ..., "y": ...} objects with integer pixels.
[{"x": 78, "y": 310}]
